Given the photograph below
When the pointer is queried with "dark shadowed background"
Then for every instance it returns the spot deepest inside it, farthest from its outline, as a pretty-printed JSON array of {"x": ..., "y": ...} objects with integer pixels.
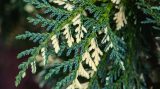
[{"x": 12, "y": 22}]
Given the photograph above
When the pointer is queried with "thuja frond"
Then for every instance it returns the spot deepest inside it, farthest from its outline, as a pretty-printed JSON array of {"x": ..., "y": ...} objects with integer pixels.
[
  {"x": 117, "y": 47},
  {"x": 23, "y": 67},
  {"x": 69, "y": 65},
  {"x": 81, "y": 36},
  {"x": 94, "y": 84},
  {"x": 66, "y": 80},
  {"x": 26, "y": 52},
  {"x": 35, "y": 37},
  {"x": 153, "y": 13}
]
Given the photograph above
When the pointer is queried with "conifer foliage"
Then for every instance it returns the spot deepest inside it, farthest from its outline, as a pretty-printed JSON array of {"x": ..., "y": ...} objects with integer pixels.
[{"x": 84, "y": 36}]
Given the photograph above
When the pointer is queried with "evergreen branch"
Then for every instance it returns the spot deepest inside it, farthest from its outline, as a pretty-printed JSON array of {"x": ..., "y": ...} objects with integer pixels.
[
  {"x": 43, "y": 4},
  {"x": 66, "y": 80},
  {"x": 26, "y": 52},
  {"x": 45, "y": 22},
  {"x": 93, "y": 84},
  {"x": 153, "y": 11},
  {"x": 96, "y": 11},
  {"x": 24, "y": 66},
  {"x": 33, "y": 36},
  {"x": 68, "y": 65},
  {"x": 83, "y": 21},
  {"x": 116, "y": 45}
]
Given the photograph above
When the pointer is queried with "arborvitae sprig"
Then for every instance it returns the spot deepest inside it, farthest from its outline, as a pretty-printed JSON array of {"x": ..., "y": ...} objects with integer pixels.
[
  {"x": 68, "y": 65},
  {"x": 23, "y": 67},
  {"x": 26, "y": 52},
  {"x": 153, "y": 12},
  {"x": 35, "y": 37},
  {"x": 74, "y": 29}
]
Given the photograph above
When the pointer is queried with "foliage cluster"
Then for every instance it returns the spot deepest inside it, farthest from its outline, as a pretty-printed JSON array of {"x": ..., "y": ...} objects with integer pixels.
[{"x": 92, "y": 42}]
